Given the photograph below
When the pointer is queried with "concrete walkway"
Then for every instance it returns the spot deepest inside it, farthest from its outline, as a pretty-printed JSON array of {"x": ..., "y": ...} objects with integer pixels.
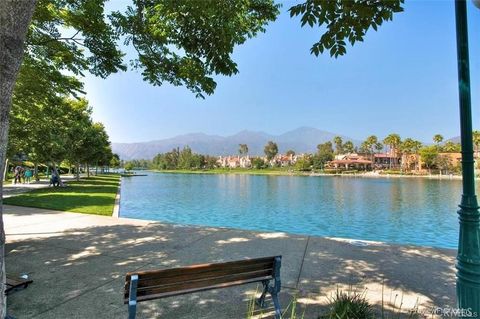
[{"x": 78, "y": 263}]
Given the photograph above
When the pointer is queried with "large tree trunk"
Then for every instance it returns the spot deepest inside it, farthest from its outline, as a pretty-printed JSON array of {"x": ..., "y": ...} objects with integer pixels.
[
  {"x": 77, "y": 171},
  {"x": 15, "y": 16},
  {"x": 5, "y": 171},
  {"x": 35, "y": 172}
]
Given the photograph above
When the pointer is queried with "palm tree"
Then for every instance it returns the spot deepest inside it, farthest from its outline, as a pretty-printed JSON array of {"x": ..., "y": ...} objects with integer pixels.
[
  {"x": 393, "y": 141},
  {"x": 410, "y": 146},
  {"x": 451, "y": 147},
  {"x": 437, "y": 139},
  {"x": 370, "y": 143},
  {"x": 349, "y": 147},
  {"x": 417, "y": 145},
  {"x": 338, "y": 144}
]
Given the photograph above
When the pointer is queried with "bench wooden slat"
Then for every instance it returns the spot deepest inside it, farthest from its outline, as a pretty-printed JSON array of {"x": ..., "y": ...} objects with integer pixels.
[
  {"x": 162, "y": 273},
  {"x": 202, "y": 283},
  {"x": 13, "y": 283},
  {"x": 155, "y": 284},
  {"x": 142, "y": 282},
  {"x": 188, "y": 291}
]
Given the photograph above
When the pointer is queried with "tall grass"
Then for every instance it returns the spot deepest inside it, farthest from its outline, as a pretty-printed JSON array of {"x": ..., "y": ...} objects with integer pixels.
[
  {"x": 345, "y": 304},
  {"x": 290, "y": 312}
]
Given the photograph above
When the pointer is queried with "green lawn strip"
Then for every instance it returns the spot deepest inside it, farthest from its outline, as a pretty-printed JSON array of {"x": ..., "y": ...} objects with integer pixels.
[{"x": 94, "y": 195}]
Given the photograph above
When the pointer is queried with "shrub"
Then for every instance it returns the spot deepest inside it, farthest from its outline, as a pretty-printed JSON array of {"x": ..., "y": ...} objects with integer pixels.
[
  {"x": 349, "y": 305},
  {"x": 258, "y": 163},
  {"x": 330, "y": 171}
]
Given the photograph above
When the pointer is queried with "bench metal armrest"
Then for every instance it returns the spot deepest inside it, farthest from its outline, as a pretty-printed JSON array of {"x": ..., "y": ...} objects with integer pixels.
[{"x": 132, "y": 297}]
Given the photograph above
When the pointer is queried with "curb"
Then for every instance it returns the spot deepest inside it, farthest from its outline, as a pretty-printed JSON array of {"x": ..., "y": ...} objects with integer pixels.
[{"x": 116, "y": 206}]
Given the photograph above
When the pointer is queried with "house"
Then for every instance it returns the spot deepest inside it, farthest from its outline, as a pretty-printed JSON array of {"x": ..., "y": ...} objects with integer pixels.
[
  {"x": 350, "y": 161},
  {"x": 234, "y": 161},
  {"x": 283, "y": 160},
  {"x": 386, "y": 160}
]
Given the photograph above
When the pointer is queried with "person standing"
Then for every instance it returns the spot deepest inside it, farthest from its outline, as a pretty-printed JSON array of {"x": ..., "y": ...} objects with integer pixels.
[
  {"x": 22, "y": 175},
  {"x": 16, "y": 174},
  {"x": 28, "y": 175}
]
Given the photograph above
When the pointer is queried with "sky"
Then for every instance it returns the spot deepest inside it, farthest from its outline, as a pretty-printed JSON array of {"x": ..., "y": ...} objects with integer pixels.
[{"x": 401, "y": 79}]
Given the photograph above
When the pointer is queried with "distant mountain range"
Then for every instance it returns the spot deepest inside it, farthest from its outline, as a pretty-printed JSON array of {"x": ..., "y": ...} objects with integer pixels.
[{"x": 301, "y": 140}]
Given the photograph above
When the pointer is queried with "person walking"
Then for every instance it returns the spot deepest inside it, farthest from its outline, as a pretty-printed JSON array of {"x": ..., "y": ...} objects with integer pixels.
[
  {"x": 22, "y": 175},
  {"x": 16, "y": 174},
  {"x": 28, "y": 175}
]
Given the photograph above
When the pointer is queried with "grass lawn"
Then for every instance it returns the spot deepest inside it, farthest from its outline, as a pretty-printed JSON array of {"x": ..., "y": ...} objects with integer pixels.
[{"x": 94, "y": 195}]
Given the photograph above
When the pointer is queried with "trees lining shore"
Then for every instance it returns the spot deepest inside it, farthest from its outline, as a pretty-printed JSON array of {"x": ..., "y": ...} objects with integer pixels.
[{"x": 411, "y": 155}]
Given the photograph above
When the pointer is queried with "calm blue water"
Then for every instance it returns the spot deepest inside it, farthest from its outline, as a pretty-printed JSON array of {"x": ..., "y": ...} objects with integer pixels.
[{"x": 395, "y": 210}]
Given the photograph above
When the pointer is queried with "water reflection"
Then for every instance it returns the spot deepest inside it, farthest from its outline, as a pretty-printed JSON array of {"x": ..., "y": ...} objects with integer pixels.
[{"x": 399, "y": 210}]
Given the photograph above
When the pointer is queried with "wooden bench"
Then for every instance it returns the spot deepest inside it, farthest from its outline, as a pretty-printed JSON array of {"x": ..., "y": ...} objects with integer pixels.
[
  {"x": 14, "y": 282},
  {"x": 155, "y": 284}
]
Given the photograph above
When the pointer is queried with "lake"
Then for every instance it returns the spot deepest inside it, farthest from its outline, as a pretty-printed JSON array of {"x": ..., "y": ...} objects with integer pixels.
[{"x": 415, "y": 211}]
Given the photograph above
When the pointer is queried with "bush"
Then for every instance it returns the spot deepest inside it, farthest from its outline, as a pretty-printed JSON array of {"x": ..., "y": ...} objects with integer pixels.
[
  {"x": 330, "y": 171},
  {"x": 258, "y": 163},
  {"x": 349, "y": 305}
]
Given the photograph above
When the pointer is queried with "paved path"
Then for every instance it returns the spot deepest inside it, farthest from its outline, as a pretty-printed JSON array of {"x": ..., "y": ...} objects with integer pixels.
[
  {"x": 10, "y": 189},
  {"x": 78, "y": 263}
]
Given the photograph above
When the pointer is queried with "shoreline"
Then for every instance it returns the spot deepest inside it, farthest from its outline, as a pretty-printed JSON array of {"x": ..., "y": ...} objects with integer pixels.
[
  {"x": 307, "y": 174},
  {"x": 38, "y": 236},
  {"x": 353, "y": 241}
]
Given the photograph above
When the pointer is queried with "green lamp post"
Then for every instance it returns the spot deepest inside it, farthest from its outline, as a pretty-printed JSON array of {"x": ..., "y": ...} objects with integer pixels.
[{"x": 468, "y": 258}]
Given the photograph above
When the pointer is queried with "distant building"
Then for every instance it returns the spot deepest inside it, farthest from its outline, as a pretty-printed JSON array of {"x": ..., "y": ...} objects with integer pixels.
[
  {"x": 386, "y": 160},
  {"x": 350, "y": 161},
  {"x": 283, "y": 160},
  {"x": 234, "y": 162}
]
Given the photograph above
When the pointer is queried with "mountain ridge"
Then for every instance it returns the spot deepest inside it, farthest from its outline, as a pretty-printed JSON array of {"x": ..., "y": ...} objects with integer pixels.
[{"x": 301, "y": 140}]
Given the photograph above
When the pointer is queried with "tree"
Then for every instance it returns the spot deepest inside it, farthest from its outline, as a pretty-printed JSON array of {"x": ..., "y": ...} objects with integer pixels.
[
  {"x": 324, "y": 155},
  {"x": 437, "y": 139},
  {"x": 80, "y": 134},
  {"x": 14, "y": 20},
  {"x": 393, "y": 141},
  {"x": 338, "y": 144},
  {"x": 243, "y": 149},
  {"x": 290, "y": 153},
  {"x": 411, "y": 147},
  {"x": 343, "y": 20},
  {"x": 444, "y": 163},
  {"x": 429, "y": 155},
  {"x": 270, "y": 150},
  {"x": 371, "y": 144},
  {"x": 304, "y": 163},
  {"x": 258, "y": 163},
  {"x": 169, "y": 37},
  {"x": 128, "y": 166},
  {"x": 115, "y": 161},
  {"x": 349, "y": 147},
  {"x": 451, "y": 147}
]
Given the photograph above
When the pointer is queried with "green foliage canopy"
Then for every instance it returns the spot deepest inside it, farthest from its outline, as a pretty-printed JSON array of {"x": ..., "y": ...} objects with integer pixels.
[
  {"x": 344, "y": 20},
  {"x": 270, "y": 150}
]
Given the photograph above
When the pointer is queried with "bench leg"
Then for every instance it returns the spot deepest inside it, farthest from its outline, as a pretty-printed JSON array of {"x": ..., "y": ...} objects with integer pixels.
[
  {"x": 132, "y": 299},
  {"x": 261, "y": 300},
  {"x": 276, "y": 303}
]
